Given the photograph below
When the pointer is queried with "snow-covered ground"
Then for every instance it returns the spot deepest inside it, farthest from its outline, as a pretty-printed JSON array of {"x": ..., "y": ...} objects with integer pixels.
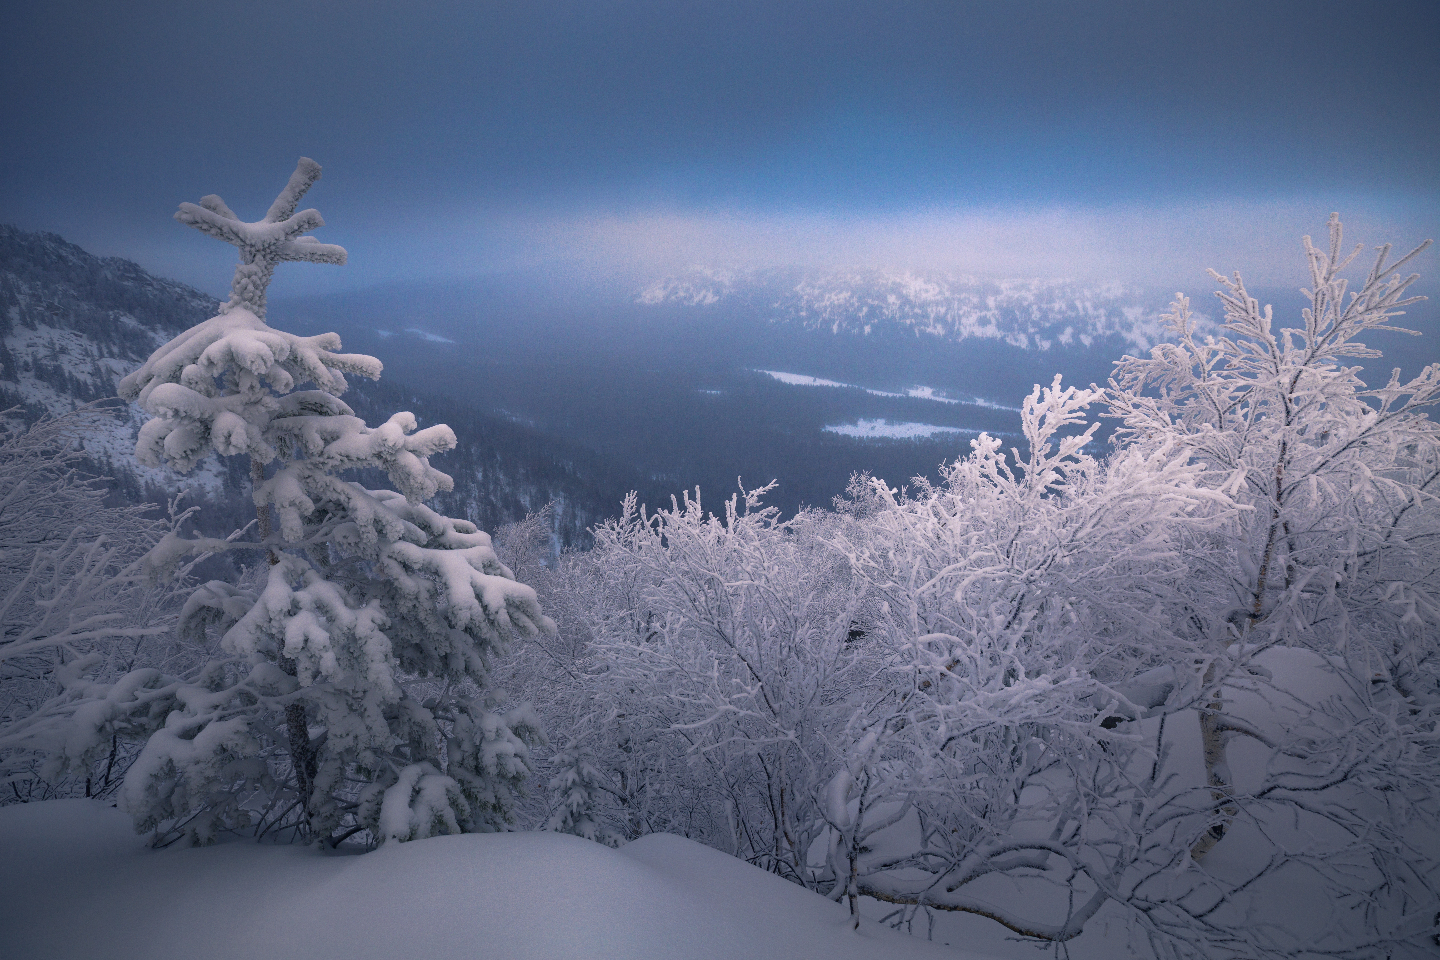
[
  {"x": 78, "y": 883},
  {"x": 881, "y": 428},
  {"x": 917, "y": 393},
  {"x": 801, "y": 380}
]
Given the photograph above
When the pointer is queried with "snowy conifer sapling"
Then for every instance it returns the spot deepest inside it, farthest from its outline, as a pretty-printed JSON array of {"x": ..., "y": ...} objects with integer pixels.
[{"x": 350, "y": 692}]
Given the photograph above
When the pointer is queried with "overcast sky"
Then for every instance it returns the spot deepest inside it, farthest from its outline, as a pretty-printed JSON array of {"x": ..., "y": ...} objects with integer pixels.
[{"x": 1137, "y": 142}]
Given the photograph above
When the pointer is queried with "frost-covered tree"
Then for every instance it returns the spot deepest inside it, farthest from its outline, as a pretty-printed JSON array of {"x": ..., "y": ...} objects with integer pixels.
[
  {"x": 349, "y": 687},
  {"x": 1338, "y": 547},
  {"x": 982, "y": 696},
  {"x": 1062, "y": 657},
  {"x": 576, "y": 787},
  {"x": 1321, "y": 682},
  {"x": 910, "y": 700},
  {"x": 1038, "y": 599},
  {"x": 716, "y": 681},
  {"x": 75, "y": 604}
]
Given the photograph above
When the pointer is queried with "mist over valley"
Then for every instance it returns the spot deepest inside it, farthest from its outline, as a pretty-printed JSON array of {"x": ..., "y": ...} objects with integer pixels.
[{"x": 800, "y": 377}]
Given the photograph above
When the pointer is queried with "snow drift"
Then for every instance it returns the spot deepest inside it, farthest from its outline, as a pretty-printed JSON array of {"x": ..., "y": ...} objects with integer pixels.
[{"x": 81, "y": 885}]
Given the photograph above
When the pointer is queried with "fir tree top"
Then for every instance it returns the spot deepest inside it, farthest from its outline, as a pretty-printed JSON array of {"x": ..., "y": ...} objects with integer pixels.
[{"x": 275, "y": 239}]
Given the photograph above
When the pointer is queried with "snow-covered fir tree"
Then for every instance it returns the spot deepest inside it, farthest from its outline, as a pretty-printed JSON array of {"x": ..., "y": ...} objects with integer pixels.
[{"x": 349, "y": 689}]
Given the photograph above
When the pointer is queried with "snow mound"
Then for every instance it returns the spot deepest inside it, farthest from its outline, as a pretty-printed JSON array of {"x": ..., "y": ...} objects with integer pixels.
[{"x": 79, "y": 884}]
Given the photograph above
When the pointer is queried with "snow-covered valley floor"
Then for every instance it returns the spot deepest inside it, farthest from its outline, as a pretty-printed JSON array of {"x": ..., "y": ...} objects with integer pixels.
[{"x": 78, "y": 883}]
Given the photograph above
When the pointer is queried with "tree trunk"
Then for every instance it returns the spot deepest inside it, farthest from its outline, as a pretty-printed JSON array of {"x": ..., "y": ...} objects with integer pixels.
[
  {"x": 297, "y": 727},
  {"x": 1213, "y": 740}
]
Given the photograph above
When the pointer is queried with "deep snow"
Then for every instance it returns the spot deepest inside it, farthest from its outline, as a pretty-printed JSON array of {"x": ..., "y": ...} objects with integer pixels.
[{"x": 78, "y": 883}]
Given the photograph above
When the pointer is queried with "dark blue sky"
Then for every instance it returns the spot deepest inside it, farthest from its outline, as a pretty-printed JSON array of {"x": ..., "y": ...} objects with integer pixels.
[{"x": 1130, "y": 141}]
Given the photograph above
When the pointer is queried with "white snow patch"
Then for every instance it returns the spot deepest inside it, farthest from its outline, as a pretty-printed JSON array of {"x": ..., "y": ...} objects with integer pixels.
[
  {"x": 928, "y": 393},
  {"x": 422, "y": 334},
  {"x": 990, "y": 404},
  {"x": 702, "y": 288},
  {"x": 427, "y": 336},
  {"x": 917, "y": 393},
  {"x": 800, "y": 380}
]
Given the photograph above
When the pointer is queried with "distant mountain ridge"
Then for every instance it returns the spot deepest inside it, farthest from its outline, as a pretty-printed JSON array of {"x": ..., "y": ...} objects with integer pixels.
[
  {"x": 45, "y": 278},
  {"x": 1028, "y": 313}
]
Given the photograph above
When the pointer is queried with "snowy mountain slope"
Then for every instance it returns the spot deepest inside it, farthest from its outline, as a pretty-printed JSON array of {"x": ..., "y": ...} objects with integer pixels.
[
  {"x": 1027, "y": 313},
  {"x": 72, "y": 324},
  {"x": 80, "y": 884},
  {"x": 45, "y": 277}
]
